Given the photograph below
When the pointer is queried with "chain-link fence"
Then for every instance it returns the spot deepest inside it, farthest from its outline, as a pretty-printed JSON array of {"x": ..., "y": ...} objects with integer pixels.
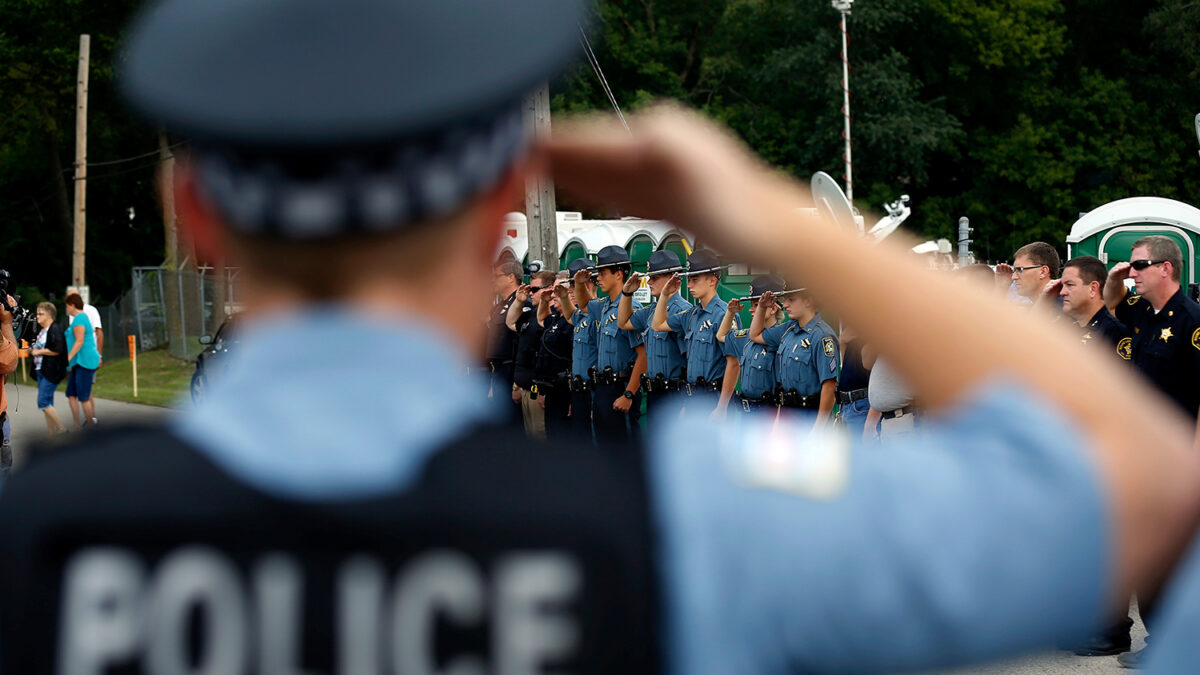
[{"x": 169, "y": 309}]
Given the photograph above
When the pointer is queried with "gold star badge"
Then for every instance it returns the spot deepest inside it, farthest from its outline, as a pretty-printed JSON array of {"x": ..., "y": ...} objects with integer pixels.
[{"x": 1166, "y": 334}]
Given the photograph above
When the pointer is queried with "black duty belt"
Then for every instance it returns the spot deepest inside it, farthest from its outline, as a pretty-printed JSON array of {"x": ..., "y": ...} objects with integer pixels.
[
  {"x": 581, "y": 383},
  {"x": 848, "y": 397},
  {"x": 899, "y": 412},
  {"x": 699, "y": 387},
  {"x": 496, "y": 363},
  {"x": 609, "y": 376},
  {"x": 767, "y": 400},
  {"x": 660, "y": 384},
  {"x": 793, "y": 399}
]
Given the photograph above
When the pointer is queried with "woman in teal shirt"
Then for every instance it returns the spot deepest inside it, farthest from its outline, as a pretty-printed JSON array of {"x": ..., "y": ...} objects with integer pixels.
[{"x": 83, "y": 360}]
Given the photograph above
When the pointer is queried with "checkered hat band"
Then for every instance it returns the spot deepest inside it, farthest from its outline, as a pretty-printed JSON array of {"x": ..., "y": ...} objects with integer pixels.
[{"x": 360, "y": 192}]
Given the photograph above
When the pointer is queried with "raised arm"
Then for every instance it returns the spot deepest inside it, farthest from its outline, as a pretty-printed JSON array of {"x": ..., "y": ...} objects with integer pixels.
[
  {"x": 516, "y": 308},
  {"x": 1114, "y": 286},
  {"x": 625, "y": 306},
  {"x": 660, "y": 323},
  {"x": 735, "y": 307},
  {"x": 758, "y": 322},
  {"x": 583, "y": 289}
]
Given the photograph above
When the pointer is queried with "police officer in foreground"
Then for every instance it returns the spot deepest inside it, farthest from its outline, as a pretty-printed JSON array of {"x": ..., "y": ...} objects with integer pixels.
[
  {"x": 666, "y": 351},
  {"x": 620, "y": 354},
  {"x": 756, "y": 362},
  {"x": 583, "y": 353},
  {"x": 284, "y": 527},
  {"x": 698, "y": 325}
]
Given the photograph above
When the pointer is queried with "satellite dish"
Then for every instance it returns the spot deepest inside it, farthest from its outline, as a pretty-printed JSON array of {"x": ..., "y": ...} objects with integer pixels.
[
  {"x": 1198, "y": 127},
  {"x": 832, "y": 203}
]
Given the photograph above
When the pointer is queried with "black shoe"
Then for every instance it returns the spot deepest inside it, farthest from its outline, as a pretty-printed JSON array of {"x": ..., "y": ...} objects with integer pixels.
[
  {"x": 1135, "y": 660},
  {"x": 1102, "y": 645}
]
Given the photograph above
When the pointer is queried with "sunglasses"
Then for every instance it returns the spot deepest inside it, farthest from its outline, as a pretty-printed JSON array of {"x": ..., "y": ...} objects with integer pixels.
[{"x": 1140, "y": 265}]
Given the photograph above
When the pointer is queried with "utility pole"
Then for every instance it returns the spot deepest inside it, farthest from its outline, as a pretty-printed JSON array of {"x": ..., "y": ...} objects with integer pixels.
[
  {"x": 541, "y": 218},
  {"x": 81, "y": 91},
  {"x": 166, "y": 185},
  {"x": 843, "y": 6}
]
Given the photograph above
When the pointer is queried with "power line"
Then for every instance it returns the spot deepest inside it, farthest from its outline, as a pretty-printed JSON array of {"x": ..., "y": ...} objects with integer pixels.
[
  {"x": 587, "y": 48},
  {"x": 135, "y": 157}
]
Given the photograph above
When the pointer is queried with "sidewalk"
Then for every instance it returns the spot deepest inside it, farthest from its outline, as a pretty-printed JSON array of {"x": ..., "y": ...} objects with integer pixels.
[{"x": 29, "y": 423}]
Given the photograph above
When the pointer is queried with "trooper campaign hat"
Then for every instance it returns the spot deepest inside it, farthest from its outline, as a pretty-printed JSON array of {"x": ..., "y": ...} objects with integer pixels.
[
  {"x": 703, "y": 261},
  {"x": 310, "y": 118},
  {"x": 664, "y": 262},
  {"x": 579, "y": 264},
  {"x": 612, "y": 256},
  {"x": 766, "y": 283}
]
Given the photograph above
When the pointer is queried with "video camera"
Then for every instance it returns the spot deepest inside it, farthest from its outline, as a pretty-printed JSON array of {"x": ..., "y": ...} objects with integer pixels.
[{"x": 22, "y": 317}]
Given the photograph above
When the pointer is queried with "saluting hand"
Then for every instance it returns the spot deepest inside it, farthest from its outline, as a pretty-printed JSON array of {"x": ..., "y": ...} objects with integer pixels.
[
  {"x": 672, "y": 286},
  {"x": 634, "y": 282},
  {"x": 735, "y": 306},
  {"x": 582, "y": 276},
  {"x": 765, "y": 301},
  {"x": 1119, "y": 272},
  {"x": 561, "y": 291},
  {"x": 1051, "y": 289},
  {"x": 523, "y": 293}
]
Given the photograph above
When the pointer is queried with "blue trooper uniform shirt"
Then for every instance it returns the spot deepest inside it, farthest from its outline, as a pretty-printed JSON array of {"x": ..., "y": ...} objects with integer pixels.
[
  {"x": 698, "y": 325},
  {"x": 757, "y": 362},
  {"x": 778, "y": 551},
  {"x": 615, "y": 348},
  {"x": 665, "y": 350},
  {"x": 806, "y": 355},
  {"x": 583, "y": 346}
]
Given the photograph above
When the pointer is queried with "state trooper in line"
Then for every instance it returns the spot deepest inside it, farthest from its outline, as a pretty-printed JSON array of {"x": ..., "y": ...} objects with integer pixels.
[
  {"x": 552, "y": 369},
  {"x": 807, "y": 353},
  {"x": 756, "y": 362},
  {"x": 583, "y": 352},
  {"x": 363, "y": 526},
  {"x": 666, "y": 351},
  {"x": 620, "y": 354},
  {"x": 705, "y": 358}
]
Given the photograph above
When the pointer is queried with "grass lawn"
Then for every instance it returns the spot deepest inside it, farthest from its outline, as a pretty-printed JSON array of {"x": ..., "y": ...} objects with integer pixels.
[{"x": 162, "y": 379}]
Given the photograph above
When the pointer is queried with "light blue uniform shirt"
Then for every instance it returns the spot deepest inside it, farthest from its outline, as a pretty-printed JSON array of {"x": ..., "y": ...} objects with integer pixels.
[
  {"x": 1177, "y": 623},
  {"x": 615, "y": 348},
  {"x": 986, "y": 533},
  {"x": 698, "y": 325},
  {"x": 806, "y": 355},
  {"x": 583, "y": 344},
  {"x": 664, "y": 349},
  {"x": 757, "y": 363}
]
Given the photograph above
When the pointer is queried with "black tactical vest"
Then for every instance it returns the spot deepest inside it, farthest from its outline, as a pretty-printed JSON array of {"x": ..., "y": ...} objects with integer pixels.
[{"x": 131, "y": 552}]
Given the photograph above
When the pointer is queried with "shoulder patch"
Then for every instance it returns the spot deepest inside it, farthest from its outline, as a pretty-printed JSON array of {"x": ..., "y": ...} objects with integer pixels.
[
  {"x": 745, "y": 332},
  {"x": 684, "y": 311},
  {"x": 1125, "y": 346},
  {"x": 829, "y": 346},
  {"x": 1133, "y": 299},
  {"x": 1195, "y": 338}
]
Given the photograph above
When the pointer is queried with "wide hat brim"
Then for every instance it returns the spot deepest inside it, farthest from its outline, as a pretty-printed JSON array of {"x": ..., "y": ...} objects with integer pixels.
[{"x": 708, "y": 270}]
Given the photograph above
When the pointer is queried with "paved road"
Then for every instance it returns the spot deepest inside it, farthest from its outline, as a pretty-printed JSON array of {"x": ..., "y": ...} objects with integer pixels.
[{"x": 29, "y": 424}]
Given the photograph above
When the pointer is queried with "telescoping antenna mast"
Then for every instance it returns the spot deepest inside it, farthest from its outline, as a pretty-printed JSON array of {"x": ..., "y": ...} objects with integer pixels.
[{"x": 843, "y": 6}]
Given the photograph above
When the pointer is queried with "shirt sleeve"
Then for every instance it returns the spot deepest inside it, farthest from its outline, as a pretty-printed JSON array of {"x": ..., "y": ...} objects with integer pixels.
[
  {"x": 827, "y": 358},
  {"x": 773, "y": 336},
  {"x": 1128, "y": 309},
  {"x": 984, "y": 534},
  {"x": 677, "y": 321},
  {"x": 735, "y": 343},
  {"x": 640, "y": 319},
  {"x": 635, "y": 336}
]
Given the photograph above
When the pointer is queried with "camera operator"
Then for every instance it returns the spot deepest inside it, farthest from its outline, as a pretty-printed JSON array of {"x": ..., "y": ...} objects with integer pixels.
[{"x": 8, "y": 363}]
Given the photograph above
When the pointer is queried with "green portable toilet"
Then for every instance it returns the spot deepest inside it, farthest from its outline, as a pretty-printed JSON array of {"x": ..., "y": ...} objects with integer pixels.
[{"x": 1109, "y": 231}]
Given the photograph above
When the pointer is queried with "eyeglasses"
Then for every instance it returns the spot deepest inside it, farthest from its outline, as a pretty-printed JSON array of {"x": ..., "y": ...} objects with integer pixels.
[
  {"x": 1018, "y": 270},
  {"x": 1140, "y": 265}
]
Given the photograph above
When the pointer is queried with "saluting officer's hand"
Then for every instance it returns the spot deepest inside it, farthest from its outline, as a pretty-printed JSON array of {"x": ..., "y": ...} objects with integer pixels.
[
  {"x": 622, "y": 404},
  {"x": 582, "y": 276},
  {"x": 561, "y": 291},
  {"x": 1119, "y": 272},
  {"x": 634, "y": 282},
  {"x": 765, "y": 301},
  {"x": 1004, "y": 270},
  {"x": 523, "y": 293},
  {"x": 672, "y": 286},
  {"x": 735, "y": 306},
  {"x": 1051, "y": 289}
]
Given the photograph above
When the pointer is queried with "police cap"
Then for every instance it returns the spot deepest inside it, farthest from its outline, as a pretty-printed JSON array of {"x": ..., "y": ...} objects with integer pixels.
[
  {"x": 702, "y": 261},
  {"x": 311, "y": 118},
  {"x": 664, "y": 261},
  {"x": 579, "y": 264},
  {"x": 611, "y": 256},
  {"x": 763, "y": 284}
]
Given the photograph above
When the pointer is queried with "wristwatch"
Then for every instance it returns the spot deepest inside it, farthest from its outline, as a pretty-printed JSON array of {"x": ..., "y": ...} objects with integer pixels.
[
  {"x": 630, "y": 295},
  {"x": 627, "y": 394}
]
